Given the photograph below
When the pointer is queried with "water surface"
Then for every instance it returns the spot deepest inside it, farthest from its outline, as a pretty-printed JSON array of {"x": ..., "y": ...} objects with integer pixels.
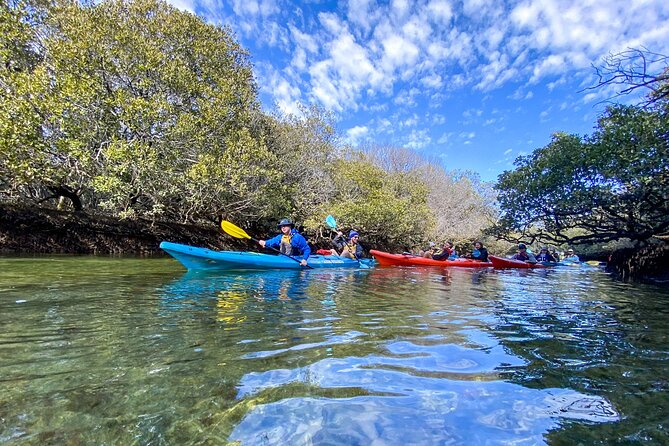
[{"x": 136, "y": 351}]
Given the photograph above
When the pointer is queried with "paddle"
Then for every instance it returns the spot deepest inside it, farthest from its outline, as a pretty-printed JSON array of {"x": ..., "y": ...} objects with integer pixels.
[
  {"x": 237, "y": 232},
  {"x": 332, "y": 223}
]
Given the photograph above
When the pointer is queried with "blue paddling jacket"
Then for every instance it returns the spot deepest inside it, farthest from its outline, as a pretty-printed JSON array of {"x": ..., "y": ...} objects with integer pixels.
[{"x": 297, "y": 241}]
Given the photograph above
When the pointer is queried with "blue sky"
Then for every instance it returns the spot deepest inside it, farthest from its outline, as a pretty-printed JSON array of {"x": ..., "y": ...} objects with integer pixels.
[{"x": 471, "y": 83}]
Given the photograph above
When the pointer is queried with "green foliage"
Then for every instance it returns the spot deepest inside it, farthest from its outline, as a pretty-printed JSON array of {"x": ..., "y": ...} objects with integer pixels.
[
  {"x": 305, "y": 150},
  {"x": 613, "y": 184},
  {"x": 139, "y": 107},
  {"x": 389, "y": 208}
]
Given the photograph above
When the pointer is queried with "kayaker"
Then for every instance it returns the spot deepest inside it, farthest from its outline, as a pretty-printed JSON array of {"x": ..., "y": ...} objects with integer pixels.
[
  {"x": 350, "y": 248},
  {"x": 447, "y": 252},
  {"x": 570, "y": 256},
  {"x": 429, "y": 251},
  {"x": 555, "y": 254},
  {"x": 289, "y": 242},
  {"x": 479, "y": 253},
  {"x": 545, "y": 256},
  {"x": 523, "y": 255}
]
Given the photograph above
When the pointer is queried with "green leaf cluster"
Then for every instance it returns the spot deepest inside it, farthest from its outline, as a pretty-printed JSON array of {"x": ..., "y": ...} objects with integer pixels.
[
  {"x": 137, "y": 109},
  {"x": 610, "y": 185}
]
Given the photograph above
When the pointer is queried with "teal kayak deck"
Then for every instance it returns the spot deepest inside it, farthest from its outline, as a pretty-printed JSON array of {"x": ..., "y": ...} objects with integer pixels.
[{"x": 194, "y": 258}]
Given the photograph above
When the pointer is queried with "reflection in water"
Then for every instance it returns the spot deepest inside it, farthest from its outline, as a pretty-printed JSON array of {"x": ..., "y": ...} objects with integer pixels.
[{"x": 138, "y": 353}]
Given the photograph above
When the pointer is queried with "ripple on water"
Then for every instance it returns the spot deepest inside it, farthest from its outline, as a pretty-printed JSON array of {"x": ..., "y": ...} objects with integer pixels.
[{"x": 407, "y": 407}]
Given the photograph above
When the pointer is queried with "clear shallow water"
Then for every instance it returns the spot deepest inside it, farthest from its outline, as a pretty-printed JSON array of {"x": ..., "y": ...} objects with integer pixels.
[{"x": 135, "y": 351}]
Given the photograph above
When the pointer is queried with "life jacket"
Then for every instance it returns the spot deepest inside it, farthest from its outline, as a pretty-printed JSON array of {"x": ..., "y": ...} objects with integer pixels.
[
  {"x": 350, "y": 247},
  {"x": 544, "y": 257},
  {"x": 285, "y": 246}
]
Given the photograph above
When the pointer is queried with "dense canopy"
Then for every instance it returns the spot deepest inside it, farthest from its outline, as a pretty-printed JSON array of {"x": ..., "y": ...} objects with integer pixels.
[
  {"x": 139, "y": 110},
  {"x": 610, "y": 185}
]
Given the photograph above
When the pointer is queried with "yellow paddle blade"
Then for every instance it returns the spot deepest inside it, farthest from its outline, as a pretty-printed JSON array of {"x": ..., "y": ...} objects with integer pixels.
[{"x": 234, "y": 230}]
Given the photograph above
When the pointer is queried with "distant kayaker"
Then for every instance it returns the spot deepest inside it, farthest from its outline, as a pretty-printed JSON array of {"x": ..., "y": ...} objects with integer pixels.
[
  {"x": 545, "y": 256},
  {"x": 571, "y": 257},
  {"x": 429, "y": 251},
  {"x": 523, "y": 255},
  {"x": 555, "y": 255},
  {"x": 447, "y": 252},
  {"x": 479, "y": 253},
  {"x": 289, "y": 242},
  {"x": 350, "y": 248}
]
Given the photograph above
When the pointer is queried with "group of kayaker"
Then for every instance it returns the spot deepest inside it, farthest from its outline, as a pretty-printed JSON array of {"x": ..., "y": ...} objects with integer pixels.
[
  {"x": 448, "y": 252},
  {"x": 291, "y": 242},
  {"x": 544, "y": 255}
]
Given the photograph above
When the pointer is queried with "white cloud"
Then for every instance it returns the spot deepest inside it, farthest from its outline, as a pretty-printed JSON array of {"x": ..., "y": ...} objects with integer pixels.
[
  {"x": 303, "y": 40},
  {"x": 398, "y": 51},
  {"x": 418, "y": 139},
  {"x": 432, "y": 81},
  {"x": 286, "y": 95},
  {"x": 553, "y": 64},
  {"x": 440, "y": 11},
  {"x": 356, "y": 134},
  {"x": 359, "y": 13},
  {"x": 445, "y": 137},
  {"x": 507, "y": 151},
  {"x": 417, "y": 56},
  {"x": 438, "y": 119},
  {"x": 410, "y": 122},
  {"x": 399, "y": 8},
  {"x": 263, "y": 8},
  {"x": 185, "y": 5}
]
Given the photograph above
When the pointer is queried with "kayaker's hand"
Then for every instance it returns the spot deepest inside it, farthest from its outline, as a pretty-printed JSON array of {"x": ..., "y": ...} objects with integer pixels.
[
  {"x": 261, "y": 243},
  {"x": 303, "y": 262},
  {"x": 339, "y": 233}
]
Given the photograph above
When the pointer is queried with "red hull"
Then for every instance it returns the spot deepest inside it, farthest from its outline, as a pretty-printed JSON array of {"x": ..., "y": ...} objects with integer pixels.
[
  {"x": 388, "y": 259},
  {"x": 500, "y": 262}
]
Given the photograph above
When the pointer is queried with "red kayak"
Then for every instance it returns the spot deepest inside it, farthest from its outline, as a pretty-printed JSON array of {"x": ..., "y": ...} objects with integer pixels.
[
  {"x": 501, "y": 262},
  {"x": 387, "y": 259}
]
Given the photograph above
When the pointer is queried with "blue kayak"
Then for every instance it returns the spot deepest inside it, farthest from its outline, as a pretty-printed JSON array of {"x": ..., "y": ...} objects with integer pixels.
[{"x": 195, "y": 258}]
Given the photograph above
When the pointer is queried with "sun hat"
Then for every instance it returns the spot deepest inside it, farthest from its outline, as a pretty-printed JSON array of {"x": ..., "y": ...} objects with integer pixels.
[{"x": 285, "y": 222}]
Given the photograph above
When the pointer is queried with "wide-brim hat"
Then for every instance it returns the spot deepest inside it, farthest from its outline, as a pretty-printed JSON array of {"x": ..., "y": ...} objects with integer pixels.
[{"x": 285, "y": 222}]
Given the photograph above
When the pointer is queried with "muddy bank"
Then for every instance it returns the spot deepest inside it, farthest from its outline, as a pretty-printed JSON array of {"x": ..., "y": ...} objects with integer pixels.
[{"x": 36, "y": 230}]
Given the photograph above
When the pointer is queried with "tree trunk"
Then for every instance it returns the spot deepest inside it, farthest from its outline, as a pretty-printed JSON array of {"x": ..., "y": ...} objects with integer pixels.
[{"x": 69, "y": 193}]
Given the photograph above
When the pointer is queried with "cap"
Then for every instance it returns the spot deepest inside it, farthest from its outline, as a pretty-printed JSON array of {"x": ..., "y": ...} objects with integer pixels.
[
  {"x": 286, "y": 222},
  {"x": 522, "y": 246},
  {"x": 352, "y": 234}
]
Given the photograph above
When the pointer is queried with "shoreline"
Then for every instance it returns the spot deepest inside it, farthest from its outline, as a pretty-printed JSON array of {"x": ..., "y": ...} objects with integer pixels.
[{"x": 33, "y": 230}]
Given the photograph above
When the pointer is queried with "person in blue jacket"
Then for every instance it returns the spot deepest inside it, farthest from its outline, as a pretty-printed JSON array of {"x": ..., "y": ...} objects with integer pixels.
[
  {"x": 289, "y": 242},
  {"x": 571, "y": 257}
]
